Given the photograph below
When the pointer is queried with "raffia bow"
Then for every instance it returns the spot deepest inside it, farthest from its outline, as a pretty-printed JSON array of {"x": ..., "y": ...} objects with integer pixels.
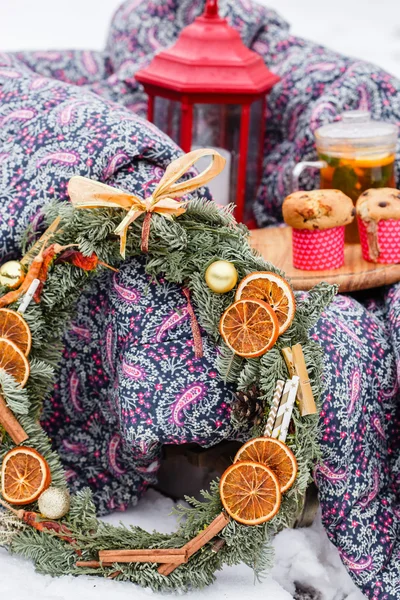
[{"x": 86, "y": 193}]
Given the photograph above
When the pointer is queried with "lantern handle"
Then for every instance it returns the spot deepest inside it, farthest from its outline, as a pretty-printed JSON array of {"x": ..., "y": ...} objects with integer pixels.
[
  {"x": 211, "y": 9},
  {"x": 302, "y": 166}
]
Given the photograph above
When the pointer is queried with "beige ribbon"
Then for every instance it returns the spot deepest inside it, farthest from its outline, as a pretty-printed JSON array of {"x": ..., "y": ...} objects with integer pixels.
[{"x": 86, "y": 193}]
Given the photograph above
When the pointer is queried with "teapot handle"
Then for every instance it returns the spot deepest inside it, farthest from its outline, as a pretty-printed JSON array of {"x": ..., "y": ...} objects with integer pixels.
[{"x": 302, "y": 166}]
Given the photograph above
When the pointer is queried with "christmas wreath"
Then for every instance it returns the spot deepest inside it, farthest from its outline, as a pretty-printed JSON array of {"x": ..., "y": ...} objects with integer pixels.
[{"x": 262, "y": 338}]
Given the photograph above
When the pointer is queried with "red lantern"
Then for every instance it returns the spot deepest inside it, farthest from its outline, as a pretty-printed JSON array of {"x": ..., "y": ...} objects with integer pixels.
[{"x": 208, "y": 90}]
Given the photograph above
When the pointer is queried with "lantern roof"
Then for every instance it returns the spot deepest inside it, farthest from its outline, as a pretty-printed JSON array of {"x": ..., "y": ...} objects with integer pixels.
[{"x": 209, "y": 57}]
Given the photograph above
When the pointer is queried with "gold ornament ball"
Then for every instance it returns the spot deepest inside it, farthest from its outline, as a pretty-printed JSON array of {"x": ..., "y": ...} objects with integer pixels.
[
  {"x": 54, "y": 503},
  {"x": 11, "y": 274},
  {"x": 221, "y": 276}
]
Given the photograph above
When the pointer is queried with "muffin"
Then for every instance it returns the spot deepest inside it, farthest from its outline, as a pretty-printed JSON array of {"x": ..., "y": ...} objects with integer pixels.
[
  {"x": 378, "y": 215},
  {"x": 318, "y": 219}
]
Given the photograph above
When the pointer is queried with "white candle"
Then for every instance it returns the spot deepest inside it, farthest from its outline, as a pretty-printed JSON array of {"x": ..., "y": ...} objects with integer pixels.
[
  {"x": 285, "y": 410},
  {"x": 274, "y": 408},
  {"x": 219, "y": 186},
  {"x": 289, "y": 408}
]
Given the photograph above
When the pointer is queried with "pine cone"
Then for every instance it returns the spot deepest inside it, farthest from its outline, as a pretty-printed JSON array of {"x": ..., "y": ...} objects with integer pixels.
[{"x": 247, "y": 407}]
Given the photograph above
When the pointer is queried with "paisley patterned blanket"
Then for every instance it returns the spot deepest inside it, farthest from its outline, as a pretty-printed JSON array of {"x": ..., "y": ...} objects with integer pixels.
[{"x": 128, "y": 381}]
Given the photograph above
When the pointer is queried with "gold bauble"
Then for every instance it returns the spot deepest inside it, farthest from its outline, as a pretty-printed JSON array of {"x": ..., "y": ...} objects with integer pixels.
[
  {"x": 11, "y": 274},
  {"x": 54, "y": 503},
  {"x": 221, "y": 276}
]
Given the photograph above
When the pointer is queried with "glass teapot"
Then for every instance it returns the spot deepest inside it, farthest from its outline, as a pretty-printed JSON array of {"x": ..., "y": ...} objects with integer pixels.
[{"x": 355, "y": 154}]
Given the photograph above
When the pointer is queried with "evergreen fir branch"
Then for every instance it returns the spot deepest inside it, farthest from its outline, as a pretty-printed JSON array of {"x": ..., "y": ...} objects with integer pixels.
[
  {"x": 82, "y": 512},
  {"x": 272, "y": 367},
  {"x": 249, "y": 375},
  {"x": 51, "y": 555},
  {"x": 16, "y": 397},
  {"x": 229, "y": 364},
  {"x": 311, "y": 306},
  {"x": 10, "y": 526}
]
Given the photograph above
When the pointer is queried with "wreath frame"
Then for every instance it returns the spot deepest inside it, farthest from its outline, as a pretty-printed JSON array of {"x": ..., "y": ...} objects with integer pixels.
[{"x": 179, "y": 249}]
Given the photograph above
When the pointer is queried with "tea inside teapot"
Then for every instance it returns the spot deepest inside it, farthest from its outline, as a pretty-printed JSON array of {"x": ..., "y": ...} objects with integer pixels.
[{"x": 358, "y": 154}]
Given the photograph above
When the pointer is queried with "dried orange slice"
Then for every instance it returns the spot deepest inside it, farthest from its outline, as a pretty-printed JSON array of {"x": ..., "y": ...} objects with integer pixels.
[
  {"x": 13, "y": 361},
  {"x": 250, "y": 493},
  {"x": 275, "y": 455},
  {"x": 274, "y": 290},
  {"x": 14, "y": 327},
  {"x": 249, "y": 327},
  {"x": 25, "y": 474}
]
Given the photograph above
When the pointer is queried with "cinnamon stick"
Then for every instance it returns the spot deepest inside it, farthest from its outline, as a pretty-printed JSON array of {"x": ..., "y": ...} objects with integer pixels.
[
  {"x": 218, "y": 545},
  {"x": 169, "y": 555},
  {"x": 11, "y": 424},
  {"x": 114, "y": 575},
  {"x": 109, "y": 554},
  {"x": 198, "y": 542},
  {"x": 170, "y": 558},
  {"x": 157, "y": 556},
  {"x": 167, "y": 568},
  {"x": 208, "y": 534}
]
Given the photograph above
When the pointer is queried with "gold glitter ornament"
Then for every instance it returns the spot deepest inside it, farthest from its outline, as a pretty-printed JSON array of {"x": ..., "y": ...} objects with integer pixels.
[
  {"x": 221, "y": 276},
  {"x": 11, "y": 274},
  {"x": 54, "y": 503}
]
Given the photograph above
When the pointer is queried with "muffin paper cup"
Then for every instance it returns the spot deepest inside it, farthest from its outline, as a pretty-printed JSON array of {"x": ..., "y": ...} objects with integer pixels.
[
  {"x": 318, "y": 250},
  {"x": 388, "y": 241}
]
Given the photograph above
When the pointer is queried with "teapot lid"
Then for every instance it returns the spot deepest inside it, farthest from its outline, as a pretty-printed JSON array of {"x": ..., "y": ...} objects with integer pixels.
[{"x": 357, "y": 131}]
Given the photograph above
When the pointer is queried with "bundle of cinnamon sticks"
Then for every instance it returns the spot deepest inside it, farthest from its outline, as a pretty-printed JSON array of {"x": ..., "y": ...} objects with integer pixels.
[{"x": 168, "y": 558}]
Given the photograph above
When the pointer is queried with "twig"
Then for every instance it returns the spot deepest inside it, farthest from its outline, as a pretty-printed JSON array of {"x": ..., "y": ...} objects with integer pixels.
[{"x": 11, "y": 424}]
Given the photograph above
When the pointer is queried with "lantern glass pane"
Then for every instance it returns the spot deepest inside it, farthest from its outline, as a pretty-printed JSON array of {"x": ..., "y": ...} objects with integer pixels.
[
  {"x": 218, "y": 126},
  {"x": 167, "y": 117},
  {"x": 254, "y": 157}
]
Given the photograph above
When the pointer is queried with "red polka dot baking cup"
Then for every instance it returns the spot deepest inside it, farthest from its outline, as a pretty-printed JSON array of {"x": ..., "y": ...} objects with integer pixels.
[
  {"x": 388, "y": 241},
  {"x": 318, "y": 250}
]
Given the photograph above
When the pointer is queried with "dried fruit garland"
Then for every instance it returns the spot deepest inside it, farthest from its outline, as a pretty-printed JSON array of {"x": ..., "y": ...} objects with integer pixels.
[{"x": 200, "y": 246}]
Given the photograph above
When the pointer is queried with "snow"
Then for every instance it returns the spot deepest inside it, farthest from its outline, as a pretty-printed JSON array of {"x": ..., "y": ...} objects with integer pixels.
[{"x": 304, "y": 557}]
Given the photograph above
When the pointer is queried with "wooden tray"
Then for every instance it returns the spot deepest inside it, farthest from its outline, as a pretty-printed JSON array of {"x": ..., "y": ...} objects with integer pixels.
[{"x": 275, "y": 245}]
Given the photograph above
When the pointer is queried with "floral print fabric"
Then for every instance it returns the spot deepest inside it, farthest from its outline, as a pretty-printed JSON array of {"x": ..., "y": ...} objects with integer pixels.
[{"x": 128, "y": 381}]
